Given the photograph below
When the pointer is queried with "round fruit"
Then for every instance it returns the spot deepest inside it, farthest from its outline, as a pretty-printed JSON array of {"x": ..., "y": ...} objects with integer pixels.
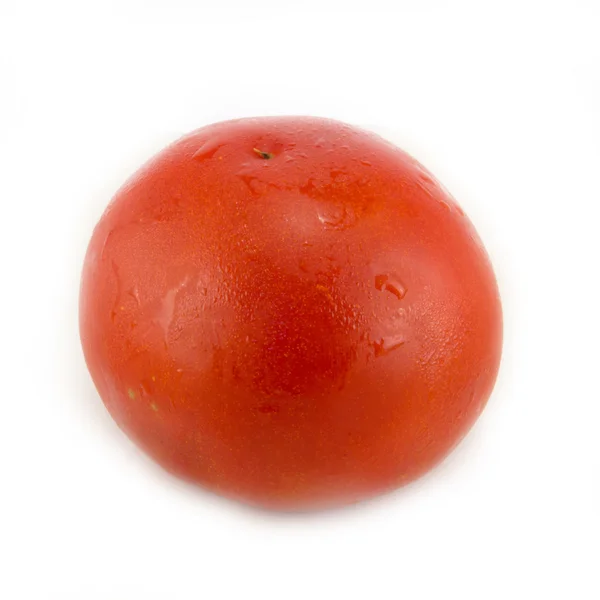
[{"x": 290, "y": 311}]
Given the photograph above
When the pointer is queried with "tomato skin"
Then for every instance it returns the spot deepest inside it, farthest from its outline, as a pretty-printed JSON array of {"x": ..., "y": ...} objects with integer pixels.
[{"x": 290, "y": 311}]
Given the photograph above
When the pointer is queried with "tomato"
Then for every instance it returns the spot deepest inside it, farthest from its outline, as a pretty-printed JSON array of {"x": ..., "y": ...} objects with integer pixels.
[{"x": 290, "y": 311}]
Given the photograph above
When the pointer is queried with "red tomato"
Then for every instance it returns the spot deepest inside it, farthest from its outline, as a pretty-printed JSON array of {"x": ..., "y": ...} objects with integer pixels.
[{"x": 290, "y": 311}]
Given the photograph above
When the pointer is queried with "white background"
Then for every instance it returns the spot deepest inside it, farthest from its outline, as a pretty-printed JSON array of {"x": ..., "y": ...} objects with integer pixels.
[{"x": 501, "y": 100}]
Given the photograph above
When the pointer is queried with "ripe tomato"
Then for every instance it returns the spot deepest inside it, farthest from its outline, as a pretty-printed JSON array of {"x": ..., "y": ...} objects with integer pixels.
[{"x": 290, "y": 311}]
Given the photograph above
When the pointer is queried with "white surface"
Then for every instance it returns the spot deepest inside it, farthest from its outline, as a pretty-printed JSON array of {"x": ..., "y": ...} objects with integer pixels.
[{"x": 500, "y": 100}]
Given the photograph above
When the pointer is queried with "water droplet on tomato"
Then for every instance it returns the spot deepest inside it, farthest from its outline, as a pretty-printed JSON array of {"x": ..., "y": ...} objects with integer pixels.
[
  {"x": 104, "y": 245},
  {"x": 336, "y": 217},
  {"x": 133, "y": 292},
  {"x": 167, "y": 307},
  {"x": 117, "y": 306},
  {"x": 208, "y": 149},
  {"x": 388, "y": 344},
  {"x": 392, "y": 284},
  {"x": 147, "y": 386},
  {"x": 425, "y": 178}
]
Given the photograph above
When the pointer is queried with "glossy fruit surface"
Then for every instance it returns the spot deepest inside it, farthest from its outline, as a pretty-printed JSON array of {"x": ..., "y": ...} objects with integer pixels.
[{"x": 290, "y": 311}]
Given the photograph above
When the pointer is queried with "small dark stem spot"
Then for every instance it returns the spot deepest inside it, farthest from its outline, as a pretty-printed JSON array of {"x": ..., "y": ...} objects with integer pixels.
[{"x": 265, "y": 155}]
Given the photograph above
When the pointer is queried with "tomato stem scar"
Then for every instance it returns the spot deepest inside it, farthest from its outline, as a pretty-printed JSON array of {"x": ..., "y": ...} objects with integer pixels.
[{"x": 262, "y": 154}]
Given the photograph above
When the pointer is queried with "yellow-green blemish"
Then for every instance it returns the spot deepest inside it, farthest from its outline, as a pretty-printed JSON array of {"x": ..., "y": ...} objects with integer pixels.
[
  {"x": 154, "y": 406},
  {"x": 131, "y": 393}
]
